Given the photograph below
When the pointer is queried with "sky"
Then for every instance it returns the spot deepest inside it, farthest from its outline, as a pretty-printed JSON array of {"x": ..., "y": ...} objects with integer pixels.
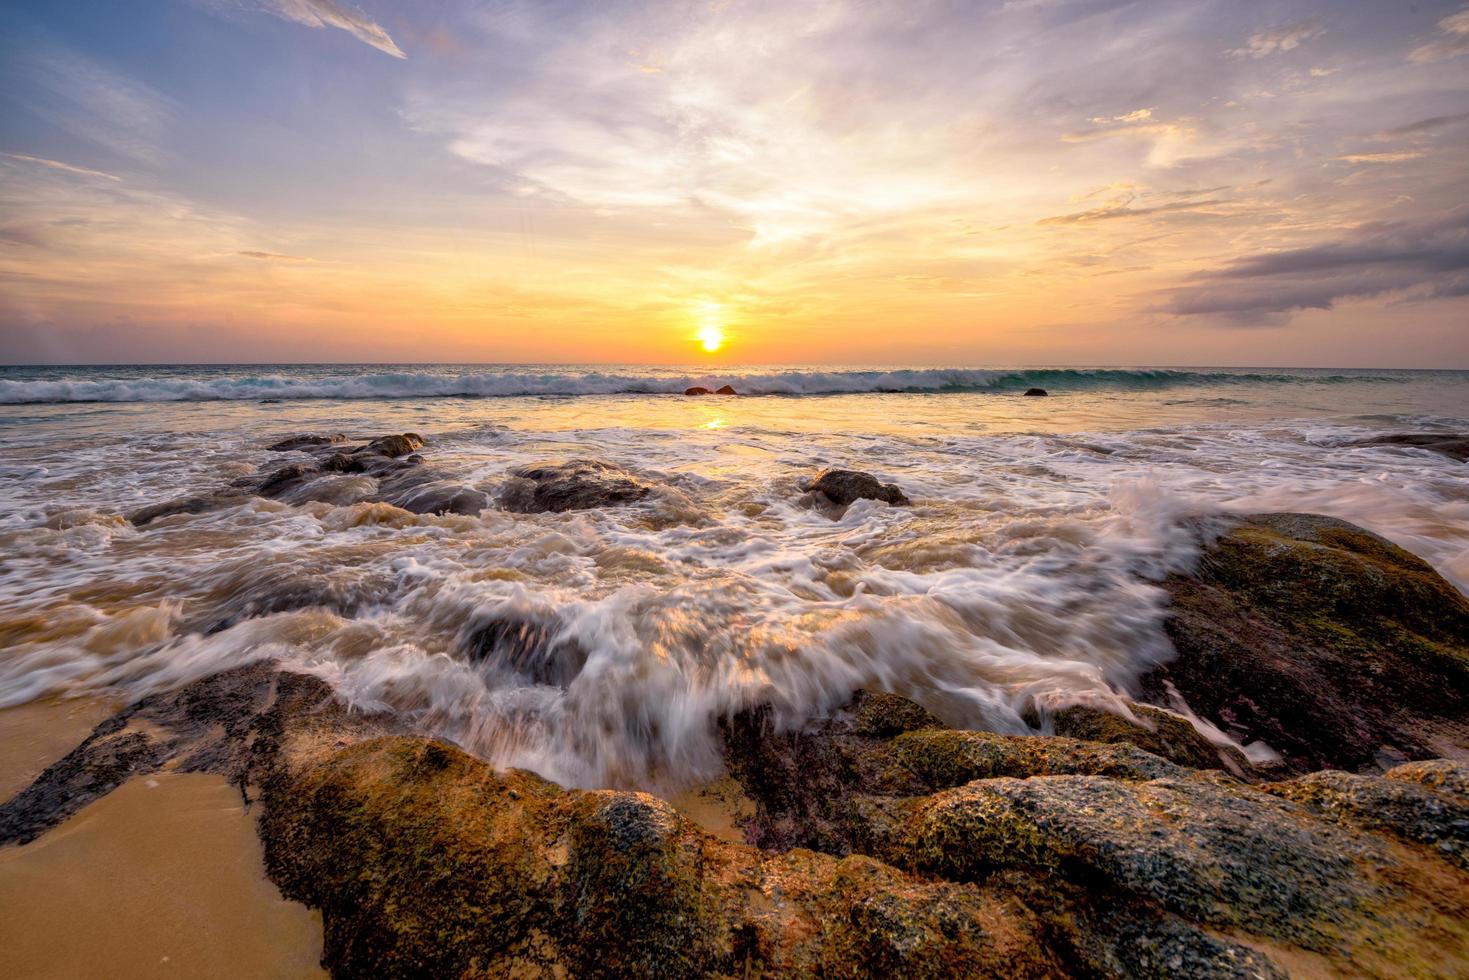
[{"x": 1204, "y": 182}]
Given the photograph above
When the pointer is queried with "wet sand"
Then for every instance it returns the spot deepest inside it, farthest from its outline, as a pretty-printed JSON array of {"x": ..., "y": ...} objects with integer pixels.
[
  {"x": 164, "y": 876},
  {"x": 32, "y": 736}
]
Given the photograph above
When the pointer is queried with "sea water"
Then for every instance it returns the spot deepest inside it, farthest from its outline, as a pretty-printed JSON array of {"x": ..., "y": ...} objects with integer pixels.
[{"x": 1023, "y": 576}]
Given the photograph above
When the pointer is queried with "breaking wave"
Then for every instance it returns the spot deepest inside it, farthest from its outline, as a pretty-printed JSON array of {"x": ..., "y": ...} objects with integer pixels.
[{"x": 52, "y": 386}]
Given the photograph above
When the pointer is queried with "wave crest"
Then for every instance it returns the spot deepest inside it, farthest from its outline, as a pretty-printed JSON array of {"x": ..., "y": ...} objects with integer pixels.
[{"x": 511, "y": 382}]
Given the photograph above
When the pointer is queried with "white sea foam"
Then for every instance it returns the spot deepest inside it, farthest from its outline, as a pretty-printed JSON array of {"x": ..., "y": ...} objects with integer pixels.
[
  {"x": 45, "y": 386},
  {"x": 1021, "y": 575}
]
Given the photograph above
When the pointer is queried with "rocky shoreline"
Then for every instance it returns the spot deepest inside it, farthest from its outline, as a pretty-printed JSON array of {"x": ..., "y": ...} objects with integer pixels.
[{"x": 1133, "y": 839}]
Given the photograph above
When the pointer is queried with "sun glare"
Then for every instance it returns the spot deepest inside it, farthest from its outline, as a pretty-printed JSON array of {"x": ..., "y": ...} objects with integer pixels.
[
  {"x": 711, "y": 337},
  {"x": 711, "y": 326}
]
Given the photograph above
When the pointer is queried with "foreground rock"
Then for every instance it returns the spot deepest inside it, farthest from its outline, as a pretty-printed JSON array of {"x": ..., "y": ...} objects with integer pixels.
[
  {"x": 382, "y": 470},
  {"x": 1333, "y": 646},
  {"x": 1045, "y": 857},
  {"x": 578, "y": 484},
  {"x": 844, "y": 487},
  {"x": 1454, "y": 445}
]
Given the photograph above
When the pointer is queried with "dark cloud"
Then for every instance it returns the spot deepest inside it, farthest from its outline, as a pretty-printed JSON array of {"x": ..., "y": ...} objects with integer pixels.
[
  {"x": 1429, "y": 259},
  {"x": 1423, "y": 126}
]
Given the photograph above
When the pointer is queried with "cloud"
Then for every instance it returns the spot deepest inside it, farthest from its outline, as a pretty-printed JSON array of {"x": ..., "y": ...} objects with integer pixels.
[
  {"x": 1455, "y": 41},
  {"x": 1278, "y": 40},
  {"x": 81, "y": 96},
  {"x": 1422, "y": 126},
  {"x": 1401, "y": 156},
  {"x": 329, "y": 13},
  {"x": 1428, "y": 259},
  {"x": 1109, "y": 212},
  {"x": 273, "y": 256},
  {"x": 58, "y": 165}
]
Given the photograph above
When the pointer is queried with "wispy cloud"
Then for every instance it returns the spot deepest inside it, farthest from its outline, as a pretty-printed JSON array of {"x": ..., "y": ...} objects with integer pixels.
[
  {"x": 90, "y": 100},
  {"x": 328, "y": 13},
  {"x": 1108, "y": 213},
  {"x": 1429, "y": 125},
  {"x": 1278, "y": 40},
  {"x": 272, "y": 256},
  {"x": 1453, "y": 42},
  {"x": 1401, "y": 156},
  {"x": 58, "y": 165}
]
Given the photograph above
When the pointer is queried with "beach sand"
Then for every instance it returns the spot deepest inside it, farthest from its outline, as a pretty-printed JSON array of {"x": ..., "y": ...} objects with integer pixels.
[{"x": 162, "y": 876}]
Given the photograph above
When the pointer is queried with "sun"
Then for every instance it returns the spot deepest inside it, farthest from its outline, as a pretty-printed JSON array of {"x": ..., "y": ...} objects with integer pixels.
[
  {"x": 711, "y": 337},
  {"x": 710, "y": 316}
]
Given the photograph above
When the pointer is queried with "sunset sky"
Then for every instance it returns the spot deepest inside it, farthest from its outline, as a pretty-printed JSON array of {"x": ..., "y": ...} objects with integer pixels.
[{"x": 1024, "y": 182}]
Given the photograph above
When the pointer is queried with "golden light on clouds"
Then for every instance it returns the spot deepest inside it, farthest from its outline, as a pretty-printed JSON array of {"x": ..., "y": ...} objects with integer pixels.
[{"x": 750, "y": 183}]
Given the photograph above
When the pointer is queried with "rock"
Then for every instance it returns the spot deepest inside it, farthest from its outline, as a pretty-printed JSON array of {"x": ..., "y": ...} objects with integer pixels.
[
  {"x": 185, "y": 505},
  {"x": 1336, "y": 648},
  {"x": 294, "y": 443},
  {"x": 402, "y": 480},
  {"x": 1201, "y": 847},
  {"x": 726, "y": 390},
  {"x": 696, "y": 390},
  {"x": 533, "y": 650},
  {"x": 843, "y": 487},
  {"x": 808, "y": 783},
  {"x": 425, "y": 861},
  {"x": 1404, "y": 808},
  {"x": 577, "y": 484},
  {"x": 1036, "y": 392},
  {"x": 1454, "y": 445},
  {"x": 393, "y": 446},
  {"x": 1444, "y": 774},
  {"x": 1170, "y": 736}
]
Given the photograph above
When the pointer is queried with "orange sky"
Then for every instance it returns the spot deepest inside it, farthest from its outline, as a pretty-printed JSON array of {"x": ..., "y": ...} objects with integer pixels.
[{"x": 1021, "y": 182}]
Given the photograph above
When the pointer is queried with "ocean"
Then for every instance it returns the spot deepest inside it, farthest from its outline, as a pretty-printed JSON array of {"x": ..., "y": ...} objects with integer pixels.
[{"x": 1021, "y": 576}]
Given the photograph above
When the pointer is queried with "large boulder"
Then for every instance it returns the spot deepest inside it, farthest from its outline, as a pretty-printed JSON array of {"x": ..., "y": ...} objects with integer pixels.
[
  {"x": 844, "y": 487},
  {"x": 578, "y": 484},
  {"x": 1331, "y": 645}
]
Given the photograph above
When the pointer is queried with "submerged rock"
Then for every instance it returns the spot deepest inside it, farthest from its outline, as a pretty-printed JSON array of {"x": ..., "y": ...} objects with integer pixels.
[
  {"x": 530, "y": 648},
  {"x": 294, "y": 443},
  {"x": 1454, "y": 445},
  {"x": 843, "y": 487},
  {"x": 577, "y": 484},
  {"x": 396, "y": 478},
  {"x": 185, "y": 505},
  {"x": 1331, "y": 645}
]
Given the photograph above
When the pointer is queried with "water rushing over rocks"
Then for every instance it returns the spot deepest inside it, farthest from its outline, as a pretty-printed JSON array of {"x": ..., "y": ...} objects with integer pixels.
[
  {"x": 952, "y": 685},
  {"x": 584, "y": 587}
]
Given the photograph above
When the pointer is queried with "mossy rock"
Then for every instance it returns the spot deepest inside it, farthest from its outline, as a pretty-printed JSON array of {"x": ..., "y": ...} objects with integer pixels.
[
  {"x": 1335, "y": 647},
  {"x": 1160, "y": 732},
  {"x": 946, "y": 757},
  {"x": 1405, "y": 808},
  {"x": 1212, "y": 851}
]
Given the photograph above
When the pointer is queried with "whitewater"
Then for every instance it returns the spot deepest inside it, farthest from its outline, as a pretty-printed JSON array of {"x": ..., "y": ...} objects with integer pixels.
[
  {"x": 1022, "y": 577},
  {"x": 246, "y": 382}
]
